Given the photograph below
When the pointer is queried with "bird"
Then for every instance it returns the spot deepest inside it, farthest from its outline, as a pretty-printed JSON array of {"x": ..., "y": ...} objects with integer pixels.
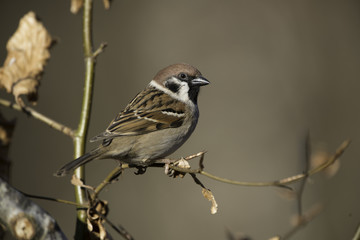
[{"x": 155, "y": 123}]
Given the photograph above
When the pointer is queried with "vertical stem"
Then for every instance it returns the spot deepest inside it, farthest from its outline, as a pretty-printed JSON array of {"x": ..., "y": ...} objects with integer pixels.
[
  {"x": 357, "y": 234},
  {"x": 301, "y": 188},
  {"x": 81, "y": 132}
]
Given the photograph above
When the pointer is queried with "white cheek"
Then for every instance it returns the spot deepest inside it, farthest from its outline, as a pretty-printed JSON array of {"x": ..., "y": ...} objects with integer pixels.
[
  {"x": 183, "y": 92},
  {"x": 181, "y": 95}
]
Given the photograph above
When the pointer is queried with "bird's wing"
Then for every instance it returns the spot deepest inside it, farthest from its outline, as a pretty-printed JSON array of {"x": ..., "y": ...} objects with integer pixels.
[{"x": 151, "y": 110}]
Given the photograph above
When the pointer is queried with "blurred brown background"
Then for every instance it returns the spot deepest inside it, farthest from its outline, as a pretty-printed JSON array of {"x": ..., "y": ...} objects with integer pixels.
[{"x": 277, "y": 69}]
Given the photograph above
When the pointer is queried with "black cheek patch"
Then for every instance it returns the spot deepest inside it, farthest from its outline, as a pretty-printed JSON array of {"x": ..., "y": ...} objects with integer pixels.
[{"x": 174, "y": 87}]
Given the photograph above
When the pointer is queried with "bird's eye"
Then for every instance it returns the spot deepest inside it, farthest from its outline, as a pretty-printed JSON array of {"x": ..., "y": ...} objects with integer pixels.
[{"x": 183, "y": 76}]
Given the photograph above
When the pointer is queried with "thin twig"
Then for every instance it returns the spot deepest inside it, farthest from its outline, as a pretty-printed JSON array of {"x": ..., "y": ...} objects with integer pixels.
[
  {"x": 303, "y": 220},
  {"x": 119, "y": 229},
  {"x": 300, "y": 191},
  {"x": 197, "y": 181},
  {"x": 56, "y": 200},
  {"x": 201, "y": 162},
  {"x": 109, "y": 179},
  {"x": 199, "y": 154},
  {"x": 33, "y": 113},
  {"x": 247, "y": 184},
  {"x": 357, "y": 234},
  {"x": 100, "y": 49},
  {"x": 332, "y": 159},
  {"x": 81, "y": 132},
  {"x": 279, "y": 183}
]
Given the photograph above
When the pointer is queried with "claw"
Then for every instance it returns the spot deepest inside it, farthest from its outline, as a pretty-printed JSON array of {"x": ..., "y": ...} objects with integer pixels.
[{"x": 140, "y": 170}]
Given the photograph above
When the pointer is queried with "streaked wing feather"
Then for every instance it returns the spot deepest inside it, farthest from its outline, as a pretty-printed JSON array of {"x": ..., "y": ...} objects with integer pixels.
[{"x": 149, "y": 111}]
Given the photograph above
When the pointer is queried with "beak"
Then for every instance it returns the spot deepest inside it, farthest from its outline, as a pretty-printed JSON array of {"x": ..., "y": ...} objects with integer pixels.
[{"x": 199, "y": 81}]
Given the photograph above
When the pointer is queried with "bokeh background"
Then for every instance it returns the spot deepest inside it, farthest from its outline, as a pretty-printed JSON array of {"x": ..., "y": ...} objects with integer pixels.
[{"x": 277, "y": 69}]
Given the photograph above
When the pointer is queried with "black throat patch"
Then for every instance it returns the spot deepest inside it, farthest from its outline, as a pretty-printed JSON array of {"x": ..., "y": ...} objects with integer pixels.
[{"x": 193, "y": 93}]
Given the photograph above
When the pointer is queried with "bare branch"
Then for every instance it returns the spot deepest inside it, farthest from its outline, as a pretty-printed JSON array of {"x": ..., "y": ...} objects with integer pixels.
[
  {"x": 81, "y": 131},
  {"x": 300, "y": 191},
  {"x": 303, "y": 220},
  {"x": 100, "y": 49},
  {"x": 357, "y": 234},
  {"x": 119, "y": 229},
  {"x": 278, "y": 183},
  {"x": 33, "y": 113},
  {"x": 109, "y": 179}
]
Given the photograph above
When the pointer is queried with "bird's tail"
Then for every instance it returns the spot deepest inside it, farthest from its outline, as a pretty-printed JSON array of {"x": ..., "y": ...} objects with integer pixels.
[{"x": 87, "y": 157}]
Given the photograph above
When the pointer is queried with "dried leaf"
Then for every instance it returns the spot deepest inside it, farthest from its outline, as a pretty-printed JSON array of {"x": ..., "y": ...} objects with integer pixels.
[
  {"x": 287, "y": 193},
  {"x": 106, "y": 4},
  {"x": 78, "y": 182},
  {"x": 296, "y": 220},
  {"x": 182, "y": 163},
  {"x": 236, "y": 235},
  {"x": 275, "y": 238},
  {"x": 307, "y": 216},
  {"x": 209, "y": 196},
  {"x": 76, "y": 5},
  {"x": 89, "y": 225},
  {"x": 95, "y": 219},
  {"x": 321, "y": 157},
  {"x": 333, "y": 169},
  {"x": 102, "y": 231},
  {"x": 28, "y": 51}
]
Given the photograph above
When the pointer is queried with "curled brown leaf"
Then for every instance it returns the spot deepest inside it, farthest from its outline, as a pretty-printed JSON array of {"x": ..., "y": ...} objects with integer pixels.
[
  {"x": 182, "y": 163},
  {"x": 209, "y": 196},
  {"x": 319, "y": 158},
  {"x": 76, "y": 5},
  {"x": 95, "y": 221},
  {"x": 275, "y": 238},
  {"x": 106, "y": 4},
  {"x": 28, "y": 52}
]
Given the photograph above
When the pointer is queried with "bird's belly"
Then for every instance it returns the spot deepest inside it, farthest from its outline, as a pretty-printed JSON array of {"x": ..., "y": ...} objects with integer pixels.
[
  {"x": 151, "y": 146},
  {"x": 144, "y": 149},
  {"x": 159, "y": 145}
]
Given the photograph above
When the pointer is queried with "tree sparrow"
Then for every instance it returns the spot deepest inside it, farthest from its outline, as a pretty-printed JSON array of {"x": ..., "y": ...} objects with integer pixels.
[{"x": 154, "y": 124}]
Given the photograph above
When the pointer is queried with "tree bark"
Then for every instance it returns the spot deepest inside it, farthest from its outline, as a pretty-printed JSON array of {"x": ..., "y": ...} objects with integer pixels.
[{"x": 25, "y": 219}]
